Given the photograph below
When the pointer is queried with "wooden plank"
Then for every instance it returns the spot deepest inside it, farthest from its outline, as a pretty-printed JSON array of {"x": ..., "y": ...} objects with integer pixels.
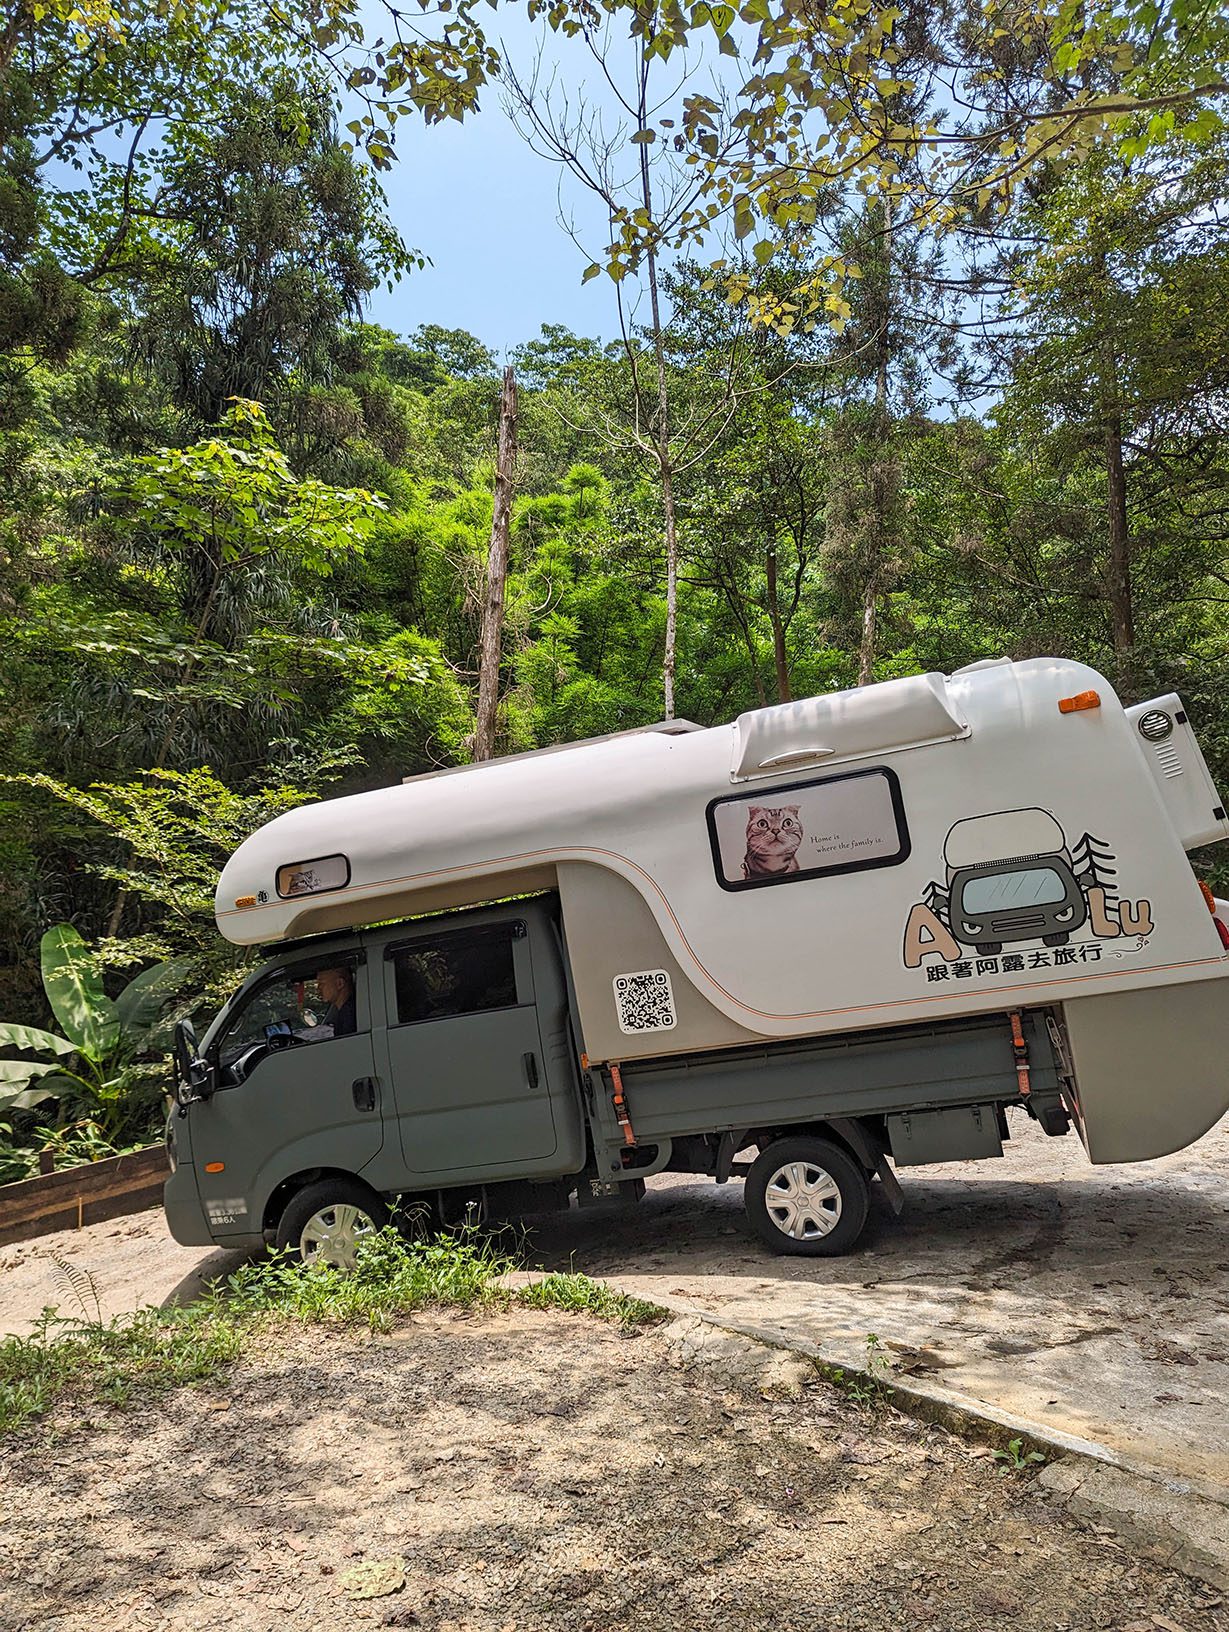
[
  {"x": 88, "y": 1176},
  {"x": 81, "y": 1195}
]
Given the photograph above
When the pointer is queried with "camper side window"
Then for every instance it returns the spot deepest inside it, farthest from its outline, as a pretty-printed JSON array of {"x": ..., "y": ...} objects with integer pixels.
[{"x": 462, "y": 973}]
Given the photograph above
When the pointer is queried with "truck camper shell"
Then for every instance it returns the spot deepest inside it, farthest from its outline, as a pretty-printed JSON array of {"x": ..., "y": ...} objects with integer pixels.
[{"x": 910, "y": 907}]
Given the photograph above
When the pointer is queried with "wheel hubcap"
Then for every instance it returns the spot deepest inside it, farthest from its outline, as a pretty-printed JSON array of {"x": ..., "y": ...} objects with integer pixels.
[
  {"x": 332, "y": 1235},
  {"x": 803, "y": 1201}
]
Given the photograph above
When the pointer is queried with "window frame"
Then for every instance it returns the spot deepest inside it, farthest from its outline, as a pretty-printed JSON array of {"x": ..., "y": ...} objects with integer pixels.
[
  {"x": 311, "y": 861},
  {"x": 765, "y": 795},
  {"x": 517, "y": 931},
  {"x": 244, "y": 998}
]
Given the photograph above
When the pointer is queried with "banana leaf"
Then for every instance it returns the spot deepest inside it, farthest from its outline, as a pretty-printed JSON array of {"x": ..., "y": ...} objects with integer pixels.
[
  {"x": 139, "y": 1006},
  {"x": 24, "y": 1070},
  {"x": 75, "y": 993},
  {"x": 14, "y": 1097},
  {"x": 31, "y": 1037}
]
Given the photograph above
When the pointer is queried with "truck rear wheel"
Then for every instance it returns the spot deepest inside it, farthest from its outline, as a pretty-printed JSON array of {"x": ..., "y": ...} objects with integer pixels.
[
  {"x": 326, "y": 1221},
  {"x": 807, "y": 1196}
]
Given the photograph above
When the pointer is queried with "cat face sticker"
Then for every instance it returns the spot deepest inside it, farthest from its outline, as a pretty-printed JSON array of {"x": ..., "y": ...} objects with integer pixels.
[
  {"x": 1012, "y": 882},
  {"x": 796, "y": 831},
  {"x": 773, "y": 836}
]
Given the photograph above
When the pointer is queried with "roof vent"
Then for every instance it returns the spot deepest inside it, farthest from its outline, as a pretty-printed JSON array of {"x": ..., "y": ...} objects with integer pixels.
[{"x": 845, "y": 725}]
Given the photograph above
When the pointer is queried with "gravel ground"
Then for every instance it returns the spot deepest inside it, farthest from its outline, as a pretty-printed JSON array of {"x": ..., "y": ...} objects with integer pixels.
[{"x": 530, "y": 1471}]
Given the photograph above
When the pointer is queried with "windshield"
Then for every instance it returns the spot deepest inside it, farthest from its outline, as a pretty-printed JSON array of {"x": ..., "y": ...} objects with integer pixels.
[{"x": 999, "y": 892}]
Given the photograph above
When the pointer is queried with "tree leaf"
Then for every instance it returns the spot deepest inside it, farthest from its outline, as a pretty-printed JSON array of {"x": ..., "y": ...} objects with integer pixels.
[
  {"x": 142, "y": 1001},
  {"x": 75, "y": 993},
  {"x": 38, "y": 1041},
  {"x": 24, "y": 1071}
]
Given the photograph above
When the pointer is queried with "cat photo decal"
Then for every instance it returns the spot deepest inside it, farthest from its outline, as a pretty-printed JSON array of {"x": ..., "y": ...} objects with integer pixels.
[
  {"x": 836, "y": 824},
  {"x": 1015, "y": 896}
]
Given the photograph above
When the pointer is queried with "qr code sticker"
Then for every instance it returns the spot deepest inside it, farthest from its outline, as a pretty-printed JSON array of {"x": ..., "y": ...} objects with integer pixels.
[{"x": 645, "y": 1002}]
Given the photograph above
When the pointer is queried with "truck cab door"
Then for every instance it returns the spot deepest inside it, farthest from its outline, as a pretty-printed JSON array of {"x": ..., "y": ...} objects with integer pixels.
[
  {"x": 297, "y": 1088},
  {"x": 465, "y": 1057}
]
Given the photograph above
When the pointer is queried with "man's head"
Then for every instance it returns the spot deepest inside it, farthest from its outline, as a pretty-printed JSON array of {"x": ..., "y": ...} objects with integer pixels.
[{"x": 335, "y": 984}]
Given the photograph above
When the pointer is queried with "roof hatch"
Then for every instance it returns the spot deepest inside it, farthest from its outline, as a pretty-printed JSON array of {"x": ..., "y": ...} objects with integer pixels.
[{"x": 845, "y": 725}]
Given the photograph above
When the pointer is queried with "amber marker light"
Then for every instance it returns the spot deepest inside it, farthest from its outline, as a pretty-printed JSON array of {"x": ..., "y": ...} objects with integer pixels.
[
  {"x": 1081, "y": 701},
  {"x": 215, "y": 1167},
  {"x": 250, "y": 900}
]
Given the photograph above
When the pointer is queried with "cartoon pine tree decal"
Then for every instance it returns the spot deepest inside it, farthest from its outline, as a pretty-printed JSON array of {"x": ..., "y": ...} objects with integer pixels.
[
  {"x": 1092, "y": 861},
  {"x": 938, "y": 901}
]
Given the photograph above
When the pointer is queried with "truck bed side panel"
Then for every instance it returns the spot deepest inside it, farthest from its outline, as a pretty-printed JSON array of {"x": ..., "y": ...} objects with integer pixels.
[{"x": 872, "y": 1074}]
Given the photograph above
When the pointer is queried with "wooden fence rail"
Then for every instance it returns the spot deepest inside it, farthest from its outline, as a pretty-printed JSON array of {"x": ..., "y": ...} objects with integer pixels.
[{"x": 83, "y": 1195}]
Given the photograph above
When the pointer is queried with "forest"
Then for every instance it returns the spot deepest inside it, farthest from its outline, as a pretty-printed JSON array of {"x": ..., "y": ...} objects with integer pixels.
[{"x": 857, "y": 421}]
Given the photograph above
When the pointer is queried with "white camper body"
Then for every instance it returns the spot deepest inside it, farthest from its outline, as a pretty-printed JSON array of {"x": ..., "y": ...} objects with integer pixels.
[{"x": 908, "y": 853}]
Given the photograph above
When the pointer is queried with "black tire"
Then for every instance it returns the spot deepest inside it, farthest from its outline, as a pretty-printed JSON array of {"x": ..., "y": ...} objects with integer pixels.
[
  {"x": 988, "y": 949},
  {"x": 366, "y": 1212},
  {"x": 1055, "y": 940},
  {"x": 849, "y": 1206}
]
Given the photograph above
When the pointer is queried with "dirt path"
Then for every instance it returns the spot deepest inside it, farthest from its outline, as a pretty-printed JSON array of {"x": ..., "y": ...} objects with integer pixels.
[
  {"x": 531, "y": 1472},
  {"x": 1095, "y": 1300}
]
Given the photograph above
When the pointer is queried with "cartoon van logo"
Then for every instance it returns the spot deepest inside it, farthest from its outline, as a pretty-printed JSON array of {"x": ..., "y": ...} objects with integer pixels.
[{"x": 1011, "y": 878}]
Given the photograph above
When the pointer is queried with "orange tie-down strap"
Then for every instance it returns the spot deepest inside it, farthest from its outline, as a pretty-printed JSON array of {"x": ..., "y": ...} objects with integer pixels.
[
  {"x": 1020, "y": 1049},
  {"x": 620, "y": 1104}
]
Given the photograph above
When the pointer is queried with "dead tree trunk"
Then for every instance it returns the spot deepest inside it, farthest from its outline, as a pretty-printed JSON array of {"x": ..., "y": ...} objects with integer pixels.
[
  {"x": 1122, "y": 611},
  {"x": 779, "y": 656},
  {"x": 672, "y": 586},
  {"x": 496, "y": 574}
]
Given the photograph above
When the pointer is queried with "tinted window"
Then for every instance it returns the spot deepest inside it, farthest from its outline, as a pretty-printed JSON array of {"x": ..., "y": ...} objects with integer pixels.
[
  {"x": 461, "y": 973},
  {"x": 801, "y": 830}
]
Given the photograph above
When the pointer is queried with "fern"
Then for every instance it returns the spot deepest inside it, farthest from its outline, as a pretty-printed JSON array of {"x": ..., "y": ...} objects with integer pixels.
[{"x": 82, "y": 1286}]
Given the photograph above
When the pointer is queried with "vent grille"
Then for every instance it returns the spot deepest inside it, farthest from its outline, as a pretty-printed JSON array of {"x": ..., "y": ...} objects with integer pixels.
[{"x": 1168, "y": 759}]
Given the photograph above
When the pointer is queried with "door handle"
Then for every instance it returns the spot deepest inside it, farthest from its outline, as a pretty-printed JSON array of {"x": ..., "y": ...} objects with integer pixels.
[
  {"x": 530, "y": 1062},
  {"x": 364, "y": 1090}
]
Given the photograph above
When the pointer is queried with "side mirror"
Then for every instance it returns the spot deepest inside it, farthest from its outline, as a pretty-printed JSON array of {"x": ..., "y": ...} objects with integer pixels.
[{"x": 194, "y": 1077}]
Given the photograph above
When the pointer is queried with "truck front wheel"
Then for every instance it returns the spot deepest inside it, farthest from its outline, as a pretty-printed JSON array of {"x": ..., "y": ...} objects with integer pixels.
[
  {"x": 807, "y": 1196},
  {"x": 325, "y": 1222}
]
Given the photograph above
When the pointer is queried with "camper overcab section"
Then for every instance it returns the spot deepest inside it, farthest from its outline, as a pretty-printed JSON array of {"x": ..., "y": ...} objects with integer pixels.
[{"x": 850, "y": 933}]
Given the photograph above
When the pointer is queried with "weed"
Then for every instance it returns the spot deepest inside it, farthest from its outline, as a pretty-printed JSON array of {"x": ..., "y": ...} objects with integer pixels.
[
  {"x": 82, "y": 1286},
  {"x": 121, "y": 1361},
  {"x": 109, "y": 1362},
  {"x": 868, "y": 1387},
  {"x": 1015, "y": 1459},
  {"x": 578, "y": 1293},
  {"x": 393, "y": 1277}
]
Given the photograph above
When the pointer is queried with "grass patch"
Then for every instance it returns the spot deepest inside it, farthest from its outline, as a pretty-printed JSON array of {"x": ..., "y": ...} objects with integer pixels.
[
  {"x": 394, "y": 1277},
  {"x": 577, "y": 1293},
  {"x": 113, "y": 1362},
  {"x": 84, "y": 1359}
]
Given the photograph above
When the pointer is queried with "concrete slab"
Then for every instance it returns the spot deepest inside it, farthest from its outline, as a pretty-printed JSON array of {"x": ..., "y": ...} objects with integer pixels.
[
  {"x": 1094, "y": 1301},
  {"x": 1162, "y": 1521}
]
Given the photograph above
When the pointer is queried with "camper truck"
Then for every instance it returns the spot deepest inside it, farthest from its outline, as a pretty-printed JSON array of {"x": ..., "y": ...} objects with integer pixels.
[{"x": 834, "y": 939}]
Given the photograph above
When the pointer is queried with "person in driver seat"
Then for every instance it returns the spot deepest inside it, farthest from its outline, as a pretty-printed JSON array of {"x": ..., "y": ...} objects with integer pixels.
[{"x": 336, "y": 986}]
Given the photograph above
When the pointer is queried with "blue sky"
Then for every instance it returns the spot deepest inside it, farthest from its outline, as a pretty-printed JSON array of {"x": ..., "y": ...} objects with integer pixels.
[{"x": 483, "y": 207}]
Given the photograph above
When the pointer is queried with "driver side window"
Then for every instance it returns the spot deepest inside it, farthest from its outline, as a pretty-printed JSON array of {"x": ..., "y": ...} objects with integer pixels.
[{"x": 306, "y": 1004}]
